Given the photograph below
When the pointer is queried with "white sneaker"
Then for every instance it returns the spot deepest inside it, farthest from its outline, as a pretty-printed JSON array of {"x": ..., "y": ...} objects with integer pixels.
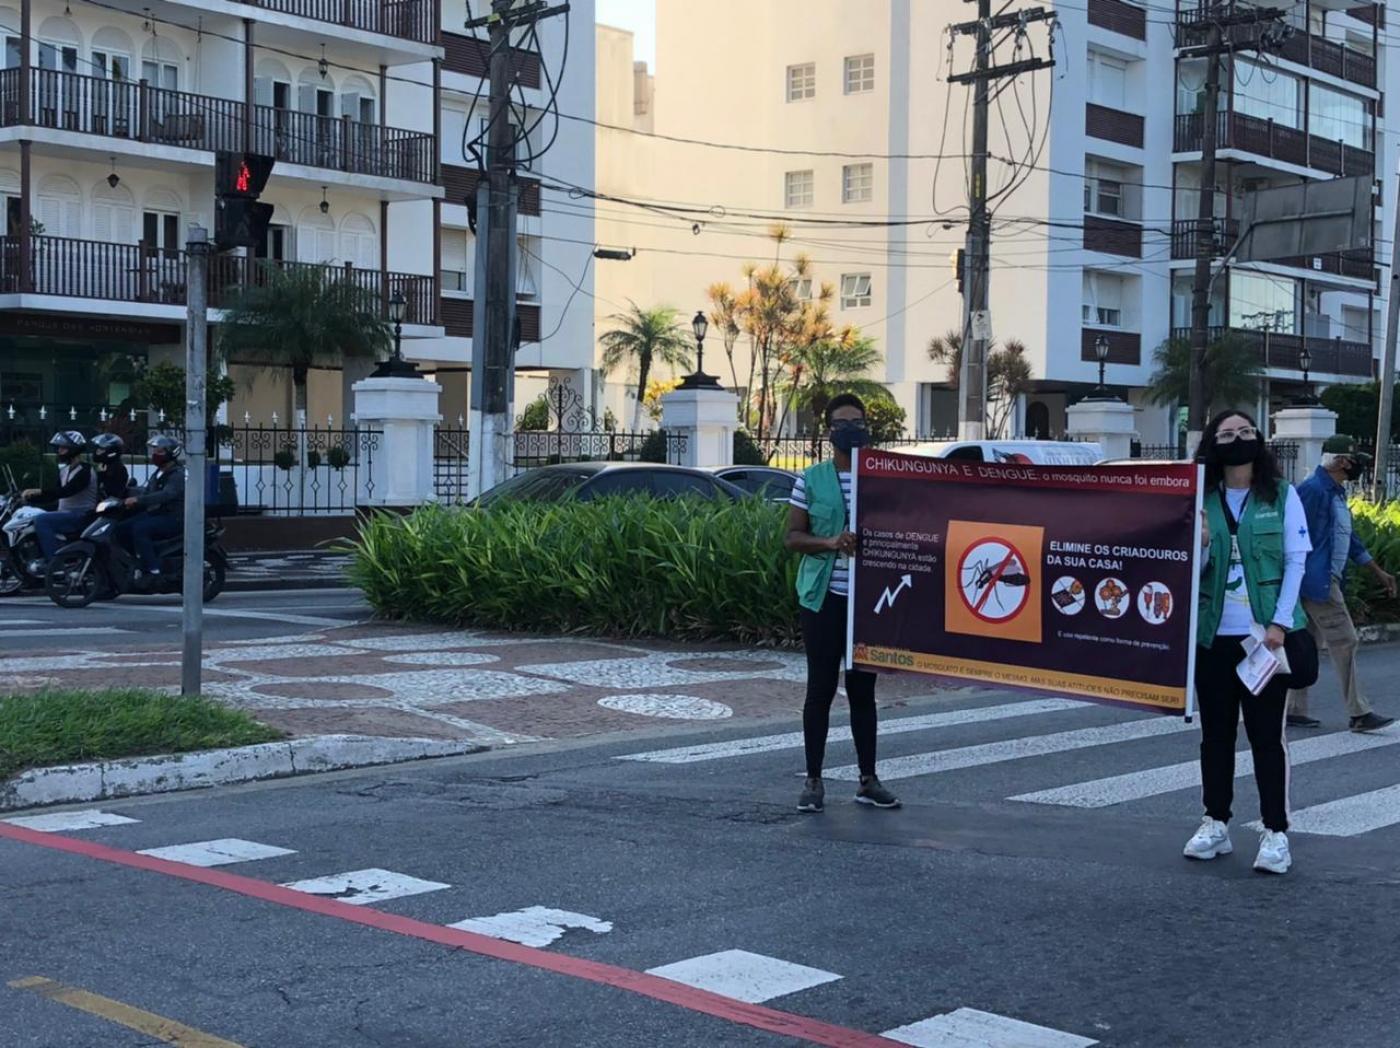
[
  {"x": 1274, "y": 856},
  {"x": 1212, "y": 839}
]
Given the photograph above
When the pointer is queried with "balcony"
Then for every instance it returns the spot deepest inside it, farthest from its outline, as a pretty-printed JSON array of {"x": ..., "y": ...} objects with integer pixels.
[
  {"x": 459, "y": 314},
  {"x": 1112, "y": 237},
  {"x": 1302, "y": 48},
  {"x": 459, "y": 183},
  {"x": 93, "y": 269},
  {"x": 468, "y": 55},
  {"x": 1330, "y": 356},
  {"x": 1265, "y": 138},
  {"x": 1358, "y": 265},
  {"x": 1113, "y": 125},
  {"x": 415, "y": 20},
  {"x": 1124, "y": 347},
  {"x": 138, "y": 112},
  {"x": 1118, "y": 17}
]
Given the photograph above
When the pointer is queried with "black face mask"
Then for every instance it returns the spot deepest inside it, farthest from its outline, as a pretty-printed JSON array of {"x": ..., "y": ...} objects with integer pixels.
[
  {"x": 1237, "y": 452},
  {"x": 846, "y": 437},
  {"x": 1353, "y": 470}
]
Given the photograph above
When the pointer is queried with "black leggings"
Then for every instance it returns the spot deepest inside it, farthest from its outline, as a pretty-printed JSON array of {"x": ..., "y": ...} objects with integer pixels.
[
  {"x": 824, "y": 634},
  {"x": 1221, "y": 695}
]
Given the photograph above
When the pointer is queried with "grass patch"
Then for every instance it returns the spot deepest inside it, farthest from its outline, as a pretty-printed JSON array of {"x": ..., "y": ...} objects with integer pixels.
[{"x": 62, "y": 727}]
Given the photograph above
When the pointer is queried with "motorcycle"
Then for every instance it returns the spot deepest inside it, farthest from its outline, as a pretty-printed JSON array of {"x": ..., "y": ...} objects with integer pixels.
[
  {"x": 22, "y": 564},
  {"x": 95, "y": 567}
]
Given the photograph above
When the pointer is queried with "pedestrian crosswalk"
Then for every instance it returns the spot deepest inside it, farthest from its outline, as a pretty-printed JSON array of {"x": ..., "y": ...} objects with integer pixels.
[
  {"x": 742, "y": 975},
  {"x": 926, "y": 746}
]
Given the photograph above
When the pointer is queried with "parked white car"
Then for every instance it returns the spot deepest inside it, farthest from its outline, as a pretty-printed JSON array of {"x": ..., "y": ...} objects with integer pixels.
[{"x": 1018, "y": 452}]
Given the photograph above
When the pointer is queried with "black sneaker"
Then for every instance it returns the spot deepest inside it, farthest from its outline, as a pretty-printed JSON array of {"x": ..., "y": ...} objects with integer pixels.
[
  {"x": 813, "y": 796},
  {"x": 1371, "y": 722},
  {"x": 1302, "y": 720},
  {"x": 873, "y": 792}
]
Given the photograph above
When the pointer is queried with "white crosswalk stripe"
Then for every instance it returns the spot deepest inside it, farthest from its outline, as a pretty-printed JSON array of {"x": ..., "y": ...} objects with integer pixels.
[
  {"x": 1016, "y": 749},
  {"x": 1348, "y": 816},
  {"x": 67, "y": 821},
  {"x": 366, "y": 887},
  {"x": 222, "y": 852},
  {"x": 969, "y": 1028},
  {"x": 744, "y": 976}
]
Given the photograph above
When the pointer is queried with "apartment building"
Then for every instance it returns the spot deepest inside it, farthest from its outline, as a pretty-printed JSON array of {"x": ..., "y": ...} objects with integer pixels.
[
  {"x": 846, "y": 112},
  {"x": 111, "y": 115}
]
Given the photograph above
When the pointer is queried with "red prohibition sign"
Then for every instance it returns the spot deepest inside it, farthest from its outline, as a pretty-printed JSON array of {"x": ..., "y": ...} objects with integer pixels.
[{"x": 993, "y": 580}]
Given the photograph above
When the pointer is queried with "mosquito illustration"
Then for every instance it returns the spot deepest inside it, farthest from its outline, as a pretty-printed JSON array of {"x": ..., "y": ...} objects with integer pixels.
[{"x": 982, "y": 574}]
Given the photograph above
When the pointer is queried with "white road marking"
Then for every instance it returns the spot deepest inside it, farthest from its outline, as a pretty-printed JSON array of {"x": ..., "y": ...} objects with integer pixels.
[
  {"x": 916, "y": 764},
  {"x": 793, "y": 739},
  {"x": 63, "y": 631},
  {"x": 744, "y": 976},
  {"x": 222, "y": 852},
  {"x": 1149, "y": 782},
  {"x": 532, "y": 926},
  {"x": 365, "y": 887},
  {"x": 259, "y": 616},
  {"x": 1348, "y": 816},
  {"x": 969, "y": 1028},
  {"x": 63, "y": 821},
  {"x": 24, "y": 622}
]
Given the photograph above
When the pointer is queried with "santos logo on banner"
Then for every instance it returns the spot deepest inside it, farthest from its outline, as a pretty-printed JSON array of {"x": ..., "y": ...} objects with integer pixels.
[{"x": 1080, "y": 581}]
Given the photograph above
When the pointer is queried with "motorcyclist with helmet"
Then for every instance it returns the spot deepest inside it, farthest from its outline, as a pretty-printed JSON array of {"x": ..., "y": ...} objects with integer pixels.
[
  {"x": 163, "y": 501},
  {"x": 112, "y": 477},
  {"x": 77, "y": 493}
]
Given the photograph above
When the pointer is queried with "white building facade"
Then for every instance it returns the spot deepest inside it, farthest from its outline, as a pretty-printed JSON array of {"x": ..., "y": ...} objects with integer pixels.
[{"x": 846, "y": 113}]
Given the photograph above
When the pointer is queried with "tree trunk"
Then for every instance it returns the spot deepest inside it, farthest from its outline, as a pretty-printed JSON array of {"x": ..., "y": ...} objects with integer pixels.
[
  {"x": 643, "y": 370},
  {"x": 299, "y": 395}
]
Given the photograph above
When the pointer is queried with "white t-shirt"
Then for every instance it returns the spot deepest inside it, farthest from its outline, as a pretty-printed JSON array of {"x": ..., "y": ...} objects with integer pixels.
[
  {"x": 841, "y": 573},
  {"x": 1237, "y": 616}
]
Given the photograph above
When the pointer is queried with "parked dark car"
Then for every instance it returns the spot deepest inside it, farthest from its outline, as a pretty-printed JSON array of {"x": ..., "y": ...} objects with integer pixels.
[
  {"x": 595, "y": 480},
  {"x": 767, "y": 482}
]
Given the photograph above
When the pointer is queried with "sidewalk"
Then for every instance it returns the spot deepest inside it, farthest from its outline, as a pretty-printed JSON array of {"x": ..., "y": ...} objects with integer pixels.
[
  {"x": 492, "y": 690},
  {"x": 286, "y": 569}
]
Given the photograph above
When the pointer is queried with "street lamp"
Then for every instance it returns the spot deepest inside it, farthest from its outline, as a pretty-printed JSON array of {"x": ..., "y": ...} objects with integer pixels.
[
  {"x": 396, "y": 366},
  {"x": 1101, "y": 348},
  {"x": 1305, "y": 362},
  {"x": 698, "y": 379}
]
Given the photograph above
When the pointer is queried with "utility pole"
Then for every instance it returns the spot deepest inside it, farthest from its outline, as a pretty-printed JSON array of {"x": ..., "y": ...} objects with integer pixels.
[
  {"x": 1379, "y": 488},
  {"x": 493, "y": 332},
  {"x": 977, "y": 323},
  {"x": 196, "y": 364},
  {"x": 1271, "y": 34}
]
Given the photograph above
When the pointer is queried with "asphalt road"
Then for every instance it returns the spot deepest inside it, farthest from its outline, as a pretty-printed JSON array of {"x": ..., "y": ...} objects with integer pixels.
[
  {"x": 1034, "y": 876},
  {"x": 34, "y": 624}
]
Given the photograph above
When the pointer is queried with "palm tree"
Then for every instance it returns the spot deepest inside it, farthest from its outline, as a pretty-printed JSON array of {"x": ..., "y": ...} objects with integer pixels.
[
  {"x": 836, "y": 364},
  {"x": 645, "y": 337},
  {"x": 947, "y": 349},
  {"x": 1232, "y": 373},
  {"x": 724, "y": 315},
  {"x": 301, "y": 317},
  {"x": 1009, "y": 374}
]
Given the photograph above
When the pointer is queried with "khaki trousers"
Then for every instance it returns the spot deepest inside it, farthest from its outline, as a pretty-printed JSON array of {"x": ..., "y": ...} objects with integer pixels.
[{"x": 1330, "y": 624}]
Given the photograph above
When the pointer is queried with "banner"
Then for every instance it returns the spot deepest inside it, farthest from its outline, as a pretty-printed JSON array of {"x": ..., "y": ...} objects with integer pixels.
[{"x": 1078, "y": 581}]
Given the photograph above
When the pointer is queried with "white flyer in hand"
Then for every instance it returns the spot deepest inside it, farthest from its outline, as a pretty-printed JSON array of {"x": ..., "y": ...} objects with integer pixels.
[{"x": 1260, "y": 663}]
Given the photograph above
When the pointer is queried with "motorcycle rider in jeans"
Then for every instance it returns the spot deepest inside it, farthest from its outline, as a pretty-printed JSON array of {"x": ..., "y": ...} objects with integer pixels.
[
  {"x": 76, "y": 493},
  {"x": 163, "y": 499}
]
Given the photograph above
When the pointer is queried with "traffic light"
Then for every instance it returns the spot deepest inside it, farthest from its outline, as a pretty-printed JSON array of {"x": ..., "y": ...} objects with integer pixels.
[
  {"x": 959, "y": 260},
  {"x": 239, "y": 219}
]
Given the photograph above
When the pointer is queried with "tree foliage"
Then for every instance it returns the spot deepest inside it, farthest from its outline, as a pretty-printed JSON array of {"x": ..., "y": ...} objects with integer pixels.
[
  {"x": 837, "y": 363},
  {"x": 161, "y": 388},
  {"x": 644, "y": 338},
  {"x": 1358, "y": 409},
  {"x": 1233, "y": 372},
  {"x": 1009, "y": 375}
]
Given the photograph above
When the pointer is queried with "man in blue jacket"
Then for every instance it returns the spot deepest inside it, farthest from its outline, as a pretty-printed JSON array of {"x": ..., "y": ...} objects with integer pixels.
[{"x": 1335, "y": 545}]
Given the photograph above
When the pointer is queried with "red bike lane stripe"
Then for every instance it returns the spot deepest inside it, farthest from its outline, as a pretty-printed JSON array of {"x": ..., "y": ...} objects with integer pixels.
[{"x": 813, "y": 1031}]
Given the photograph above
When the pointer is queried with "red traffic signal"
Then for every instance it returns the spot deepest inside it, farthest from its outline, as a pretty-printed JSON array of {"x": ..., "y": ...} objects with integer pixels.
[{"x": 241, "y": 174}]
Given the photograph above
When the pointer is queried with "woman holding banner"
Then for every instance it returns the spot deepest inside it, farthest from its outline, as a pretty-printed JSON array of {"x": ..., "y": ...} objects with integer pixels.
[
  {"x": 1255, "y": 541},
  {"x": 819, "y": 527}
]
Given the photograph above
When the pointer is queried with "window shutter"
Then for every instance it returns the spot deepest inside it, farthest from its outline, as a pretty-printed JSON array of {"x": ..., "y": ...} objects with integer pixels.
[
  {"x": 262, "y": 90},
  {"x": 306, "y": 98},
  {"x": 350, "y": 105}
]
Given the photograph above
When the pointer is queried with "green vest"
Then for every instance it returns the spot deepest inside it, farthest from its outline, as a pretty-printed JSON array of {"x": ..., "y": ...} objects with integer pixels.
[
  {"x": 1261, "y": 555},
  {"x": 826, "y": 510}
]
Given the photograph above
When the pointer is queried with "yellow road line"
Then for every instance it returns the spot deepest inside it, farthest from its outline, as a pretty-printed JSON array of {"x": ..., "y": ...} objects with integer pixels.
[{"x": 167, "y": 1030}]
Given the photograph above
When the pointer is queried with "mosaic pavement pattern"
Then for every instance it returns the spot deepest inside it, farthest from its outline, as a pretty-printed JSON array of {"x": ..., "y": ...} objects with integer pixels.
[{"x": 492, "y": 689}]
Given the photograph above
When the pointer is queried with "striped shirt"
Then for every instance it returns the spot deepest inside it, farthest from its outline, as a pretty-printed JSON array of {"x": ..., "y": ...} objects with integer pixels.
[{"x": 840, "y": 574}]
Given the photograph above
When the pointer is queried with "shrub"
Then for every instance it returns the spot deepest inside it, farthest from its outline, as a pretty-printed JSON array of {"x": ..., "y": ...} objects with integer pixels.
[
  {"x": 32, "y": 469},
  {"x": 284, "y": 459},
  {"x": 338, "y": 457},
  {"x": 746, "y": 450},
  {"x": 886, "y": 419},
  {"x": 535, "y": 417},
  {"x": 1378, "y": 528},
  {"x": 654, "y": 447},
  {"x": 313, "y": 459},
  {"x": 617, "y": 567}
]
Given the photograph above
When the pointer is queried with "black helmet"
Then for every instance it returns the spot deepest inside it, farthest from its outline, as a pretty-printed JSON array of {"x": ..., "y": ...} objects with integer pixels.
[
  {"x": 69, "y": 440},
  {"x": 107, "y": 447},
  {"x": 164, "y": 447}
]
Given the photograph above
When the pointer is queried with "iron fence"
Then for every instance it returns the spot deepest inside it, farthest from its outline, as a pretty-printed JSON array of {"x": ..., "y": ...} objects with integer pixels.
[
  {"x": 563, "y": 428},
  {"x": 451, "y": 447},
  {"x": 798, "y": 451}
]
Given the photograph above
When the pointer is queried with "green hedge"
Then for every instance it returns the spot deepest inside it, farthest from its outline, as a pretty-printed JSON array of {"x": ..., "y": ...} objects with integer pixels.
[
  {"x": 618, "y": 567},
  {"x": 1378, "y": 527}
]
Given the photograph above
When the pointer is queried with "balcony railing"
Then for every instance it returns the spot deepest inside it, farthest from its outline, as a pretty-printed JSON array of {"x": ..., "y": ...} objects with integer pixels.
[
  {"x": 405, "y": 19},
  {"x": 142, "y": 113},
  {"x": 1124, "y": 347},
  {"x": 1113, "y": 125},
  {"x": 459, "y": 314},
  {"x": 1250, "y": 134},
  {"x": 468, "y": 55},
  {"x": 1330, "y": 356},
  {"x": 95, "y": 269},
  {"x": 1112, "y": 237},
  {"x": 1306, "y": 49},
  {"x": 1118, "y": 17},
  {"x": 459, "y": 183},
  {"x": 1357, "y": 265}
]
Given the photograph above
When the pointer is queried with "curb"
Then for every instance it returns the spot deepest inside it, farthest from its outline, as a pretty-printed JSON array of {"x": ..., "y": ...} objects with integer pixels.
[
  {"x": 1379, "y": 633},
  {"x": 300, "y": 583},
  {"x": 136, "y": 776}
]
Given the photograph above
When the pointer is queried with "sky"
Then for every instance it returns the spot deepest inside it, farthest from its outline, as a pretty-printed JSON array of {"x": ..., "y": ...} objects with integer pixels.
[{"x": 638, "y": 16}]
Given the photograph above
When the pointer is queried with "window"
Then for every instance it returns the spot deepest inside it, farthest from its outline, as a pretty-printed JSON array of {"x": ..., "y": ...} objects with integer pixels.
[
  {"x": 1190, "y": 86},
  {"x": 160, "y": 232},
  {"x": 1104, "y": 189},
  {"x": 855, "y": 290},
  {"x": 799, "y": 188},
  {"x": 860, "y": 74},
  {"x": 1103, "y": 300},
  {"x": 802, "y": 288},
  {"x": 801, "y": 82},
  {"x": 857, "y": 183},
  {"x": 276, "y": 244},
  {"x": 111, "y": 66},
  {"x": 12, "y": 54},
  {"x": 1339, "y": 117},
  {"x": 161, "y": 74},
  {"x": 1268, "y": 94},
  {"x": 1257, "y": 299},
  {"x": 1108, "y": 80},
  {"x": 677, "y": 485}
]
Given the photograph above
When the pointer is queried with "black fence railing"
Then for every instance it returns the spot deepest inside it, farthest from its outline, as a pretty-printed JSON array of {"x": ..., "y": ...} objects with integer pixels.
[
  {"x": 451, "y": 458},
  {"x": 798, "y": 451},
  {"x": 532, "y": 449}
]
